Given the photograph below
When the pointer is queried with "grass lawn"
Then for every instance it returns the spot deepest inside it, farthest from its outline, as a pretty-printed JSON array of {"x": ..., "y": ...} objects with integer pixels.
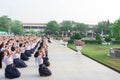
[{"x": 100, "y": 53}]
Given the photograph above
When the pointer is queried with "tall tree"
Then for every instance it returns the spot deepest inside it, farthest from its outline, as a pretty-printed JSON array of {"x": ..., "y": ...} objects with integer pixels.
[
  {"x": 17, "y": 28},
  {"x": 5, "y": 22},
  {"x": 116, "y": 29},
  {"x": 80, "y": 28},
  {"x": 103, "y": 26},
  {"x": 52, "y": 28},
  {"x": 66, "y": 25}
]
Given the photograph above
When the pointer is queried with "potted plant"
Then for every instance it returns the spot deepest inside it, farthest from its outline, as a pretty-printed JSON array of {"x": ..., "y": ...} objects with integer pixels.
[{"x": 78, "y": 43}]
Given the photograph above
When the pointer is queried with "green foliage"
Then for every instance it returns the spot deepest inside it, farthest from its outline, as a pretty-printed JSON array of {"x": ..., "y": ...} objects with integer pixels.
[
  {"x": 108, "y": 39},
  {"x": 100, "y": 53},
  {"x": 73, "y": 37},
  {"x": 92, "y": 41},
  {"x": 17, "y": 28},
  {"x": 116, "y": 29},
  {"x": 98, "y": 37},
  {"x": 4, "y": 23},
  {"x": 32, "y": 32},
  {"x": 80, "y": 27},
  {"x": 66, "y": 25},
  {"x": 77, "y": 36},
  {"x": 116, "y": 42},
  {"x": 7, "y": 24},
  {"x": 104, "y": 26},
  {"x": 52, "y": 28}
]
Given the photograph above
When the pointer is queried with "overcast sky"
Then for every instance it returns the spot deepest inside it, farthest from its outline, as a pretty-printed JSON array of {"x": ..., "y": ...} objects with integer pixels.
[{"x": 86, "y": 11}]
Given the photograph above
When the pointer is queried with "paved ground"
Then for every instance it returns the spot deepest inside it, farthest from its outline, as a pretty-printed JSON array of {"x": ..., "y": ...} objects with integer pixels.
[{"x": 65, "y": 65}]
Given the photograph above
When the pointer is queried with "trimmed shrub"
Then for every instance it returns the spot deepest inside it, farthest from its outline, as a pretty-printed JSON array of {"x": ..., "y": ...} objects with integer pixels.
[
  {"x": 116, "y": 42},
  {"x": 93, "y": 41},
  {"x": 75, "y": 36},
  {"x": 98, "y": 37},
  {"x": 108, "y": 39}
]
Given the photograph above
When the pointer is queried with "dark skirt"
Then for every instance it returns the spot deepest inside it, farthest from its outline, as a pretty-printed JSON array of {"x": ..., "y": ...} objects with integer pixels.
[
  {"x": 44, "y": 71},
  {"x": 19, "y": 63},
  {"x": 24, "y": 57},
  {"x": 11, "y": 72},
  {"x": 46, "y": 61},
  {"x": 28, "y": 53},
  {"x": 32, "y": 51}
]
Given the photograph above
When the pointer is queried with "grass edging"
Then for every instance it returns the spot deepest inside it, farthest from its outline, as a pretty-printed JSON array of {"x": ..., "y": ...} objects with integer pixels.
[{"x": 99, "y": 61}]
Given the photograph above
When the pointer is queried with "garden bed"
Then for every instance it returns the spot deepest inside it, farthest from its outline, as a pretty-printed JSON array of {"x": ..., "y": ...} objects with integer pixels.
[{"x": 100, "y": 54}]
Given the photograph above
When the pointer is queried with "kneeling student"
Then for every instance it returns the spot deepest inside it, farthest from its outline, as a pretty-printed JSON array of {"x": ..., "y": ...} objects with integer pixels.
[
  {"x": 43, "y": 70},
  {"x": 10, "y": 71}
]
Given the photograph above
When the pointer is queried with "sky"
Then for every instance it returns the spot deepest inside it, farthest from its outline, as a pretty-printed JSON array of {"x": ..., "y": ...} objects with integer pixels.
[{"x": 43, "y": 11}]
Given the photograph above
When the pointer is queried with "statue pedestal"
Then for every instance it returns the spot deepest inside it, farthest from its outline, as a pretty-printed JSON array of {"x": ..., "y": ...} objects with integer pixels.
[
  {"x": 65, "y": 43},
  {"x": 78, "y": 48}
]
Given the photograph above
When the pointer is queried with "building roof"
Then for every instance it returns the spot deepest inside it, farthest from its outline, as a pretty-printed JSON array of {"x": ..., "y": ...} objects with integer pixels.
[{"x": 34, "y": 23}]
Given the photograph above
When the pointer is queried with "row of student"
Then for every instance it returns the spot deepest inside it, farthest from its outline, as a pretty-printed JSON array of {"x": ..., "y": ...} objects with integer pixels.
[
  {"x": 41, "y": 57},
  {"x": 15, "y": 49}
]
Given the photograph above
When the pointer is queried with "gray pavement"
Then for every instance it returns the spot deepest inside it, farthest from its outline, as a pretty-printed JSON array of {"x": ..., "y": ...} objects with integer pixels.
[{"x": 65, "y": 65}]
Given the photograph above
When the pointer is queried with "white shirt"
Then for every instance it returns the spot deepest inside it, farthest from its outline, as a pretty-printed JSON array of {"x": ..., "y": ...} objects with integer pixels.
[
  {"x": 16, "y": 55},
  {"x": 39, "y": 59},
  {"x": 7, "y": 60},
  {"x": 28, "y": 48},
  {"x": 33, "y": 45},
  {"x": 22, "y": 50}
]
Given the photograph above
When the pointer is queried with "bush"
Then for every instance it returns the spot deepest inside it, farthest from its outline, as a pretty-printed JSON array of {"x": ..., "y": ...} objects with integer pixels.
[
  {"x": 75, "y": 36},
  {"x": 98, "y": 37},
  {"x": 108, "y": 39},
  {"x": 71, "y": 41},
  {"x": 92, "y": 41}
]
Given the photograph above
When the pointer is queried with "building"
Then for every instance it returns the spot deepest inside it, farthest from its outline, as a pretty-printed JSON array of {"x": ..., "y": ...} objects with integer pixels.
[{"x": 36, "y": 27}]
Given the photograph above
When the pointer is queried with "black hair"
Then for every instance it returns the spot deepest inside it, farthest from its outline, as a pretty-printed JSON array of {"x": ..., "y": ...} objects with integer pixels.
[
  {"x": 1, "y": 57},
  {"x": 1, "y": 45},
  {"x": 20, "y": 45},
  {"x": 36, "y": 54},
  {"x": 41, "y": 44}
]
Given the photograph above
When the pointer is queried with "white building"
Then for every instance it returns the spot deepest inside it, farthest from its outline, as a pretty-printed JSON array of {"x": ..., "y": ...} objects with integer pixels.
[{"x": 34, "y": 26}]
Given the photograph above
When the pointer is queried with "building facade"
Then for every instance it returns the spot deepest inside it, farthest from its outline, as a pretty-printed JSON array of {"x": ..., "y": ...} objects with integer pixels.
[{"x": 36, "y": 27}]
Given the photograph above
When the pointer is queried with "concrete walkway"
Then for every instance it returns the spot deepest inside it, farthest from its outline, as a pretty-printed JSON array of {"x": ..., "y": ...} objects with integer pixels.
[{"x": 65, "y": 65}]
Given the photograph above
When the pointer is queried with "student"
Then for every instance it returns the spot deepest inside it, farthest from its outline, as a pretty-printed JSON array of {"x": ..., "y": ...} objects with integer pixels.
[
  {"x": 43, "y": 70},
  {"x": 27, "y": 50},
  {"x": 16, "y": 59},
  {"x": 44, "y": 48},
  {"x": 10, "y": 70},
  {"x": 23, "y": 56}
]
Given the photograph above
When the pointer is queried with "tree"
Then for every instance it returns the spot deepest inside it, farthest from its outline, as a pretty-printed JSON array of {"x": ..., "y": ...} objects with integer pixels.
[
  {"x": 17, "y": 28},
  {"x": 32, "y": 32},
  {"x": 116, "y": 29},
  {"x": 52, "y": 28},
  {"x": 98, "y": 37},
  {"x": 5, "y": 22},
  {"x": 80, "y": 28},
  {"x": 104, "y": 26},
  {"x": 66, "y": 25}
]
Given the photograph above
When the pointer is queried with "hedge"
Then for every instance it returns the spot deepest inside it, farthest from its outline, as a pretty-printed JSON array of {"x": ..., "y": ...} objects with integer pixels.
[
  {"x": 93, "y": 41},
  {"x": 116, "y": 42}
]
